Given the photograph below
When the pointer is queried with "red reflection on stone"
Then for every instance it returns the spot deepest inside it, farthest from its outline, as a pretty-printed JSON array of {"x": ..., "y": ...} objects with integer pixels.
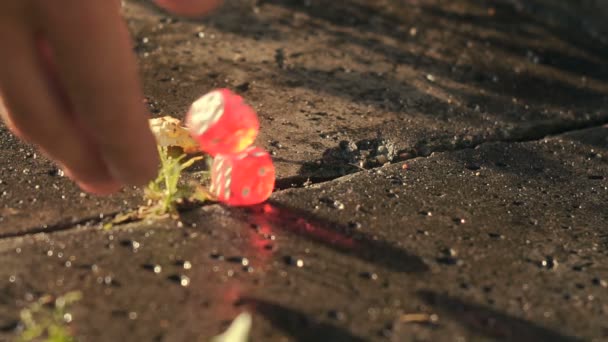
[{"x": 283, "y": 218}]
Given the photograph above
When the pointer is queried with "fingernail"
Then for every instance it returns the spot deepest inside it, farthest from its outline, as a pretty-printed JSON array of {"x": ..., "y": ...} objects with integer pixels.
[
  {"x": 138, "y": 175},
  {"x": 100, "y": 188}
]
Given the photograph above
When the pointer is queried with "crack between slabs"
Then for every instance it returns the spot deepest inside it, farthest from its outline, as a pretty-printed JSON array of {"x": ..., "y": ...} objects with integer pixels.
[
  {"x": 531, "y": 134},
  {"x": 58, "y": 227}
]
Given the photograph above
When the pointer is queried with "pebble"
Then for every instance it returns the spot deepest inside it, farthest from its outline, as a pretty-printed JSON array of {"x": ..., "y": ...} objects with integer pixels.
[
  {"x": 134, "y": 245},
  {"x": 369, "y": 275},
  {"x": 216, "y": 256},
  {"x": 153, "y": 267},
  {"x": 180, "y": 279},
  {"x": 239, "y": 260},
  {"x": 337, "y": 315},
  {"x": 294, "y": 261},
  {"x": 337, "y": 205},
  {"x": 549, "y": 263},
  {"x": 600, "y": 282}
]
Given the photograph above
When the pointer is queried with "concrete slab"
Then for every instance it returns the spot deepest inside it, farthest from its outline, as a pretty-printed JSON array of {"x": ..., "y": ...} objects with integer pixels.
[
  {"x": 502, "y": 242},
  {"x": 35, "y": 197},
  {"x": 428, "y": 75}
]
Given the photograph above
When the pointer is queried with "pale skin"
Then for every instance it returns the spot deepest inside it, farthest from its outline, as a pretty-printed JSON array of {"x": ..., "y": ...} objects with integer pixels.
[{"x": 69, "y": 85}]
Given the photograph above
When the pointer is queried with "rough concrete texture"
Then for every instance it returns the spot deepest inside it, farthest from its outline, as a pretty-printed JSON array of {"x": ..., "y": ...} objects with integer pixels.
[
  {"x": 490, "y": 222},
  {"x": 505, "y": 241},
  {"x": 430, "y": 75},
  {"x": 35, "y": 196}
]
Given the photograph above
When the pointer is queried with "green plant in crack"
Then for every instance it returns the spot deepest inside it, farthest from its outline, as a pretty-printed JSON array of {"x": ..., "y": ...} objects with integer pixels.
[
  {"x": 48, "y": 320},
  {"x": 164, "y": 194},
  {"x": 166, "y": 191}
]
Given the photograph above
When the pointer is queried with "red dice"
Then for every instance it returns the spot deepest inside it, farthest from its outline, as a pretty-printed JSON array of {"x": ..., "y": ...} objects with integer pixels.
[
  {"x": 222, "y": 123},
  {"x": 241, "y": 179}
]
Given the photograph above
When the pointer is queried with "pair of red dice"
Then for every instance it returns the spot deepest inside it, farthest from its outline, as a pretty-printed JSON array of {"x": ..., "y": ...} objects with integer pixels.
[{"x": 225, "y": 127}]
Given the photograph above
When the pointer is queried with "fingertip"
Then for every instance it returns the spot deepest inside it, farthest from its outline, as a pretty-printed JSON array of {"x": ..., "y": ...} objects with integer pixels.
[
  {"x": 9, "y": 122},
  {"x": 140, "y": 169},
  {"x": 100, "y": 189},
  {"x": 189, "y": 8}
]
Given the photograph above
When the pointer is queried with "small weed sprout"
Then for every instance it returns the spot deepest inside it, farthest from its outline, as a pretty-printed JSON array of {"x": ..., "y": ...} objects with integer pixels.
[
  {"x": 166, "y": 191},
  {"x": 164, "y": 194},
  {"x": 48, "y": 320}
]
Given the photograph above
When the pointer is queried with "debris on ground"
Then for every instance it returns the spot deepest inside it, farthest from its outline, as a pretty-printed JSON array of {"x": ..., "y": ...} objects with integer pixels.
[
  {"x": 363, "y": 154},
  {"x": 419, "y": 318}
]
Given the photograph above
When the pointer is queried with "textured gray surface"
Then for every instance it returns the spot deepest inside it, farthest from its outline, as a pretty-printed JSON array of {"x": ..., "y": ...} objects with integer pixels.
[
  {"x": 463, "y": 235},
  {"x": 484, "y": 222}
]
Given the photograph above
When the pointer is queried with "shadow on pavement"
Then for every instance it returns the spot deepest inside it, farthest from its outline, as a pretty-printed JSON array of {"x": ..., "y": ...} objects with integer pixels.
[
  {"x": 297, "y": 324},
  {"x": 490, "y": 323},
  {"x": 332, "y": 235}
]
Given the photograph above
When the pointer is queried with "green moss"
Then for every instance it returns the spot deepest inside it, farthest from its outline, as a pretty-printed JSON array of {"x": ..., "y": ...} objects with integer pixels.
[{"x": 48, "y": 320}]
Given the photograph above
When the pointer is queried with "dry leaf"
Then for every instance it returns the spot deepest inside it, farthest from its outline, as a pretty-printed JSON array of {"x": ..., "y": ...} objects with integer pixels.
[{"x": 169, "y": 132}]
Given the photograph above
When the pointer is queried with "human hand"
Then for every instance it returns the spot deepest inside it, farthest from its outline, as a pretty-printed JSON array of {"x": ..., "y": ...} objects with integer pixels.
[{"x": 69, "y": 85}]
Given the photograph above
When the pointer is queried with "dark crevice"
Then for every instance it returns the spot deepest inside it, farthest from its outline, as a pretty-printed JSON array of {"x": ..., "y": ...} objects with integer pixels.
[
  {"x": 529, "y": 134},
  {"x": 300, "y": 182},
  {"x": 58, "y": 227}
]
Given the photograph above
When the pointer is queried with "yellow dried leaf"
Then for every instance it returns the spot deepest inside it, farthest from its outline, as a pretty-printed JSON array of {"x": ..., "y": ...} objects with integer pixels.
[{"x": 170, "y": 133}]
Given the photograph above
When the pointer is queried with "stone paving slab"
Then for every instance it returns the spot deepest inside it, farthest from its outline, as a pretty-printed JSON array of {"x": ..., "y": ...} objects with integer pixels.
[
  {"x": 429, "y": 75},
  {"x": 34, "y": 196},
  {"x": 501, "y": 242}
]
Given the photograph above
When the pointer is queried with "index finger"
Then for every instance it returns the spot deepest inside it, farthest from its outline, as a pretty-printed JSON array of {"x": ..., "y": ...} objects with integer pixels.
[{"x": 97, "y": 67}]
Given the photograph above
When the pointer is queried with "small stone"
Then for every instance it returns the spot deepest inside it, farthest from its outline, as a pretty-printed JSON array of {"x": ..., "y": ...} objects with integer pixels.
[
  {"x": 337, "y": 315},
  {"x": 180, "y": 279},
  {"x": 239, "y": 260},
  {"x": 338, "y": 205},
  {"x": 369, "y": 275},
  {"x": 276, "y": 144},
  {"x": 243, "y": 87},
  {"x": 354, "y": 225},
  {"x": 600, "y": 282},
  {"x": 458, "y": 220},
  {"x": 450, "y": 252},
  {"x": 496, "y": 236},
  {"x": 448, "y": 260},
  {"x": 67, "y": 317},
  {"x": 153, "y": 267},
  {"x": 549, "y": 263},
  {"x": 185, "y": 264},
  {"x": 216, "y": 256},
  {"x": 294, "y": 261},
  {"x": 134, "y": 245}
]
